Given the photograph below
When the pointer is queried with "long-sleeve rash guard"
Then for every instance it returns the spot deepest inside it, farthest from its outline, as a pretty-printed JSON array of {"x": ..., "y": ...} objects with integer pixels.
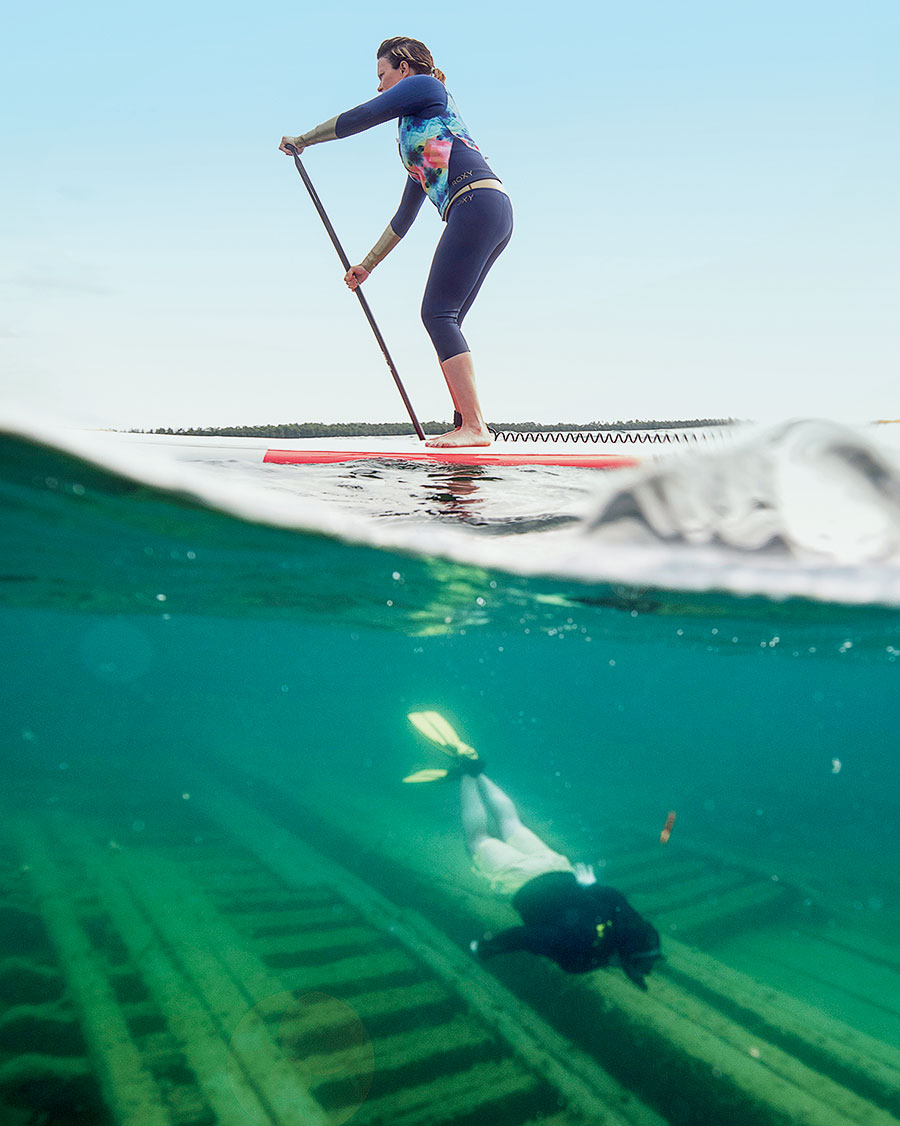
[
  {"x": 579, "y": 927},
  {"x": 435, "y": 146},
  {"x": 442, "y": 160}
]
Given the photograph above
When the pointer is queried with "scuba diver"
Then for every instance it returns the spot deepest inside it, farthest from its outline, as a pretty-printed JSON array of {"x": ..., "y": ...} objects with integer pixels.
[{"x": 566, "y": 915}]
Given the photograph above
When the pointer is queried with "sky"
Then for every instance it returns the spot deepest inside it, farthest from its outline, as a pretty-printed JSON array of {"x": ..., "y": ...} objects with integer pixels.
[{"x": 705, "y": 199}]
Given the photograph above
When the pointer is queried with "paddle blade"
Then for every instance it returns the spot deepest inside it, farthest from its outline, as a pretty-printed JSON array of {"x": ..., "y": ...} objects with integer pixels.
[
  {"x": 426, "y": 776},
  {"x": 435, "y": 728}
]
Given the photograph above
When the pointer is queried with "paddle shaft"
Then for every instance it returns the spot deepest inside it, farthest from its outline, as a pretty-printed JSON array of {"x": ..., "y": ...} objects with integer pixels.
[{"x": 345, "y": 262}]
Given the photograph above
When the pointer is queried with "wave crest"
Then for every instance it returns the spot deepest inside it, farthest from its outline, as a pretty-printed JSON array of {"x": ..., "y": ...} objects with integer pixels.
[{"x": 810, "y": 489}]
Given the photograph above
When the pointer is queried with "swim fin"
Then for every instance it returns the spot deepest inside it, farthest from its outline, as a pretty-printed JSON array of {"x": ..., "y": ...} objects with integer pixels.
[
  {"x": 463, "y": 765},
  {"x": 427, "y": 776},
  {"x": 436, "y": 729}
]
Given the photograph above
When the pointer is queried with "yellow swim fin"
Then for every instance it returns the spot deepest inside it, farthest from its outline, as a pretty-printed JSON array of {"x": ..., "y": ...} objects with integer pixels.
[
  {"x": 427, "y": 776},
  {"x": 436, "y": 729}
]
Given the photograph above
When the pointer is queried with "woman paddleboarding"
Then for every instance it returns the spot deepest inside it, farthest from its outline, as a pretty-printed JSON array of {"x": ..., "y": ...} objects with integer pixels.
[{"x": 444, "y": 163}]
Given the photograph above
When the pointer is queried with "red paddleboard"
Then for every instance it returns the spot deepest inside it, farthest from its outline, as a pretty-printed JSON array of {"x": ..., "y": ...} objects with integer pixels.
[
  {"x": 497, "y": 454},
  {"x": 612, "y": 450}
]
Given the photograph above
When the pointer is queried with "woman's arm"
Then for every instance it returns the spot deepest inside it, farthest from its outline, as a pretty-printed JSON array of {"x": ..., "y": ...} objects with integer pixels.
[
  {"x": 536, "y": 940},
  {"x": 410, "y": 203},
  {"x": 415, "y": 94}
]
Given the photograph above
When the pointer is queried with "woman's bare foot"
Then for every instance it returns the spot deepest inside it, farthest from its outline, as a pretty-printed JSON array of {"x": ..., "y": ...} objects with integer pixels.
[{"x": 462, "y": 436}]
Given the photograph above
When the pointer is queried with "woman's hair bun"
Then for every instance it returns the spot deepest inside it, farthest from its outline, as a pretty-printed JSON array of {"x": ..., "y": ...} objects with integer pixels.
[{"x": 402, "y": 49}]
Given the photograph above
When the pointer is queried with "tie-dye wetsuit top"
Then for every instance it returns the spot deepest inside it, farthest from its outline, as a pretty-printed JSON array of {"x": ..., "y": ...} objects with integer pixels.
[{"x": 435, "y": 146}]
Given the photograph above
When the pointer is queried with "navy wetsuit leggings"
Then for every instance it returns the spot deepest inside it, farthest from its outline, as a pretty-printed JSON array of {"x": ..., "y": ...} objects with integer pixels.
[{"x": 479, "y": 225}]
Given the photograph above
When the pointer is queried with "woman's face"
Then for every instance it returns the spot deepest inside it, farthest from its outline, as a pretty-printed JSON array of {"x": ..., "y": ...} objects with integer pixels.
[{"x": 388, "y": 76}]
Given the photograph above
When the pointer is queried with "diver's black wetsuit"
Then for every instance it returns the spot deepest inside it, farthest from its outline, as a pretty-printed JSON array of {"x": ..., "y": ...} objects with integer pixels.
[{"x": 580, "y": 927}]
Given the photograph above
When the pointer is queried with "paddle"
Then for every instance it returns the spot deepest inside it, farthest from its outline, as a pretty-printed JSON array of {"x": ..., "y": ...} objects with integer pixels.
[{"x": 345, "y": 261}]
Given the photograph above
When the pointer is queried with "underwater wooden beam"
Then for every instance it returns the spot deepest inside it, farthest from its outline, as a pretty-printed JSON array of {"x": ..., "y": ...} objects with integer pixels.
[
  {"x": 230, "y": 1094},
  {"x": 347, "y": 972},
  {"x": 651, "y": 877},
  {"x": 396, "y": 1000},
  {"x": 259, "y": 922},
  {"x": 55, "y": 1077},
  {"x": 603, "y": 1009},
  {"x": 446, "y": 1099},
  {"x": 757, "y": 899},
  {"x": 231, "y": 983},
  {"x": 746, "y": 1070},
  {"x": 681, "y": 896},
  {"x": 305, "y": 942},
  {"x": 580, "y": 1081},
  {"x": 867, "y": 1065},
  {"x": 128, "y": 1089},
  {"x": 422, "y": 1050},
  {"x": 275, "y": 900}
]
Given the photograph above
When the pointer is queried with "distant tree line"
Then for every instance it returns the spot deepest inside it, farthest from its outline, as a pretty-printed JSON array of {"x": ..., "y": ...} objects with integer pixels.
[{"x": 365, "y": 429}]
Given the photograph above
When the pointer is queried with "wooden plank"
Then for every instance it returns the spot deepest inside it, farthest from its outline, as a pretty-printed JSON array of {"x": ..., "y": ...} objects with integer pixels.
[
  {"x": 656, "y": 877},
  {"x": 708, "y": 889},
  {"x": 865, "y": 948},
  {"x": 448, "y": 1098},
  {"x": 351, "y": 973},
  {"x": 679, "y": 1029},
  {"x": 656, "y": 857},
  {"x": 230, "y": 1093},
  {"x": 231, "y": 982},
  {"x": 306, "y": 942},
  {"x": 129, "y": 1090},
  {"x": 242, "y": 884},
  {"x": 276, "y": 900},
  {"x": 866, "y": 981},
  {"x": 757, "y": 899},
  {"x": 214, "y": 865},
  {"x": 561, "y": 1119},
  {"x": 282, "y": 922},
  {"x": 402, "y": 1000},
  {"x": 580, "y": 1081},
  {"x": 685, "y": 1054},
  {"x": 460, "y": 1036},
  {"x": 866, "y": 1065},
  {"x": 759, "y": 954}
]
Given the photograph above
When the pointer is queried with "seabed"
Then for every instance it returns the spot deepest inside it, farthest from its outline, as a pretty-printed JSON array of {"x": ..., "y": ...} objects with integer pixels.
[{"x": 264, "y": 951}]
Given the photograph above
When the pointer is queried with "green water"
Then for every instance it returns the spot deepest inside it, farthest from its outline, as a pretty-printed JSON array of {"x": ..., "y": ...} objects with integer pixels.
[{"x": 741, "y": 743}]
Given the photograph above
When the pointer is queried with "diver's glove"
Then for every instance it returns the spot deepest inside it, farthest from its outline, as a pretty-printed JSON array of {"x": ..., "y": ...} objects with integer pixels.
[
  {"x": 480, "y": 948},
  {"x": 636, "y": 969},
  {"x": 584, "y": 874}
]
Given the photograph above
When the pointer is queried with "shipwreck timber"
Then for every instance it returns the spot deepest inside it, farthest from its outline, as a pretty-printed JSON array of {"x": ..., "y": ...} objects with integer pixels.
[
  {"x": 220, "y": 969},
  {"x": 231, "y": 974}
]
